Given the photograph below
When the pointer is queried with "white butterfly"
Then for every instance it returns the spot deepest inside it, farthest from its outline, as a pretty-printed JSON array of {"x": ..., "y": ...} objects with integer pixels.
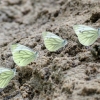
[
  {"x": 23, "y": 55},
  {"x": 5, "y": 76},
  {"x": 86, "y": 35},
  {"x": 52, "y": 41}
]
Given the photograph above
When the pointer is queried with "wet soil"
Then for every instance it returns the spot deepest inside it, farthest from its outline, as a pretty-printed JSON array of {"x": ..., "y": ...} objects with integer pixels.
[{"x": 72, "y": 73}]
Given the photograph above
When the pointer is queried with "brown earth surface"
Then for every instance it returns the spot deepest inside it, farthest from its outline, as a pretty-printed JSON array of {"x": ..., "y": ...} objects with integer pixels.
[{"x": 72, "y": 73}]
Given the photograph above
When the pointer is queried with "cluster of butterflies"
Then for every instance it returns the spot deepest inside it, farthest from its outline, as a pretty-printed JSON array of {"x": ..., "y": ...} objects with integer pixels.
[{"x": 23, "y": 55}]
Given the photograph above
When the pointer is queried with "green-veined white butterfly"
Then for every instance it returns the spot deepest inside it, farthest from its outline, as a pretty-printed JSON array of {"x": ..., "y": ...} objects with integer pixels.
[
  {"x": 5, "y": 76},
  {"x": 23, "y": 55},
  {"x": 52, "y": 41},
  {"x": 86, "y": 35}
]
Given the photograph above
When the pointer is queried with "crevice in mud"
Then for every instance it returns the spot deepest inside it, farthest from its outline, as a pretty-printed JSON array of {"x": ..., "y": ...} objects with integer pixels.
[
  {"x": 56, "y": 13},
  {"x": 95, "y": 17},
  {"x": 12, "y": 3},
  {"x": 43, "y": 47},
  {"x": 8, "y": 97},
  {"x": 4, "y": 44},
  {"x": 86, "y": 91},
  {"x": 95, "y": 51},
  {"x": 54, "y": 53},
  {"x": 2, "y": 57},
  {"x": 24, "y": 75},
  {"x": 73, "y": 49}
]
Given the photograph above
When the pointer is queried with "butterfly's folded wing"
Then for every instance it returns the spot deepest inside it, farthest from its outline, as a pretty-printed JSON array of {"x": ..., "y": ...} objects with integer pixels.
[
  {"x": 13, "y": 47},
  {"x": 4, "y": 82},
  {"x": 44, "y": 34},
  {"x": 49, "y": 34},
  {"x": 88, "y": 39},
  {"x": 5, "y": 77},
  {"x": 16, "y": 47},
  {"x": 52, "y": 41},
  {"x": 24, "y": 57},
  {"x": 53, "y": 44},
  {"x": 81, "y": 28},
  {"x": 86, "y": 35}
]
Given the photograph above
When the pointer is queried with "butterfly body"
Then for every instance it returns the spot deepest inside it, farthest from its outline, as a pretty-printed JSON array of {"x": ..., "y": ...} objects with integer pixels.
[
  {"x": 5, "y": 76},
  {"x": 52, "y": 41},
  {"x": 86, "y": 35},
  {"x": 23, "y": 55}
]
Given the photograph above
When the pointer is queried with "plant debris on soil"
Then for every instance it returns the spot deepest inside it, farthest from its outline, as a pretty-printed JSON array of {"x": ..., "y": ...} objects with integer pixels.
[{"x": 71, "y": 73}]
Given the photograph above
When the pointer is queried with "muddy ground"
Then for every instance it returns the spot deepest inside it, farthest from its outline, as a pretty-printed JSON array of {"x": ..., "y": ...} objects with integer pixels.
[{"x": 72, "y": 73}]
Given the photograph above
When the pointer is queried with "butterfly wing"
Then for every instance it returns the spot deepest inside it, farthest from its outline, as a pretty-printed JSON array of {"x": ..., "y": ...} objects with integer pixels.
[
  {"x": 16, "y": 47},
  {"x": 44, "y": 34},
  {"x": 86, "y": 35},
  {"x": 5, "y": 76},
  {"x": 52, "y": 41},
  {"x": 13, "y": 47},
  {"x": 49, "y": 34},
  {"x": 81, "y": 28},
  {"x": 24, "y": 57}
]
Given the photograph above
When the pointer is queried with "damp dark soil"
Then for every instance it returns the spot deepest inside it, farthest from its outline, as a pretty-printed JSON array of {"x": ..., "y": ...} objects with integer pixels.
[{"x": 73, "y": 72}]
